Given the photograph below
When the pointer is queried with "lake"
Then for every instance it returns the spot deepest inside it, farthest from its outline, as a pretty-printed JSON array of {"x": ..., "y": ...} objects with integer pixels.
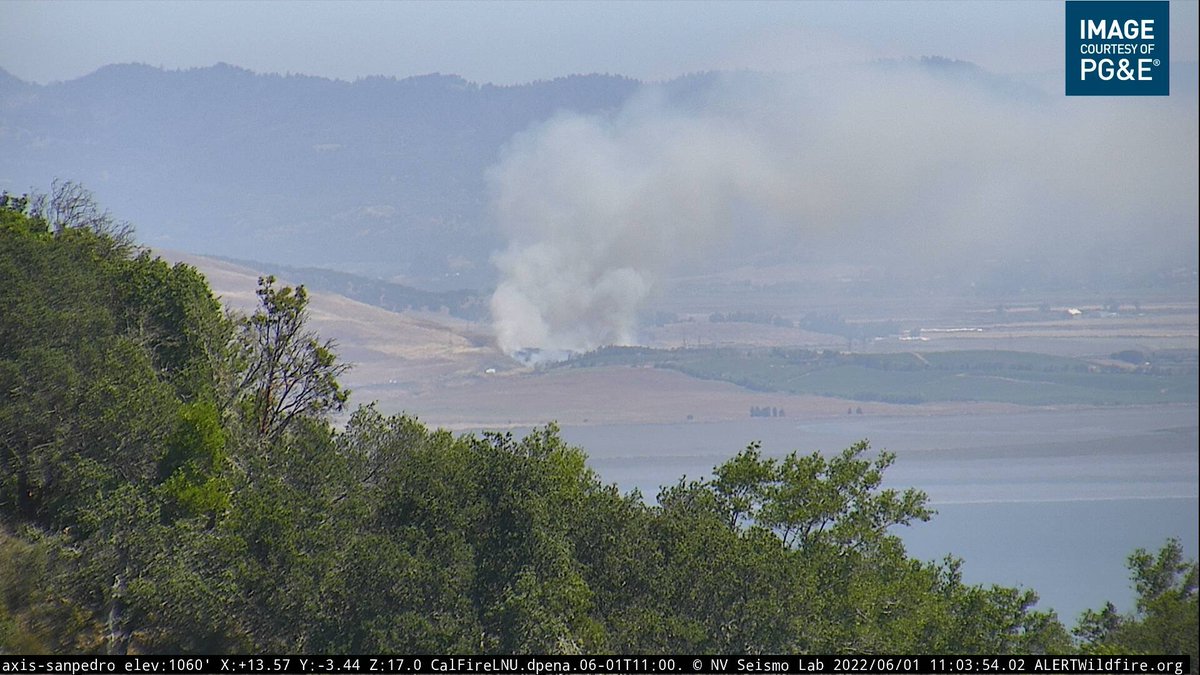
[{"x": 1053, "y": 500}]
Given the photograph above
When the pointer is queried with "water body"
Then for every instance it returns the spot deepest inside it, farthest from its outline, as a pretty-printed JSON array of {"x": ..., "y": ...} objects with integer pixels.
[{"x": 1053, "y": 500}]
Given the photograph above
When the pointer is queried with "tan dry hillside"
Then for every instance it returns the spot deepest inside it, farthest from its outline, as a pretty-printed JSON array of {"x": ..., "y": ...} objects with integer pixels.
[
  {"x": 407, "y": 350},
  {"x": 449, "y": 372}
]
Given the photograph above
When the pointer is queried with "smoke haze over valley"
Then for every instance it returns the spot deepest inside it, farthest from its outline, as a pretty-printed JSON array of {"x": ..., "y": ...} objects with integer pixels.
[
  {"x": 578, "y": 200},
  {"x": 929, "y": 167},
  {"x": 670, "y": 229}
]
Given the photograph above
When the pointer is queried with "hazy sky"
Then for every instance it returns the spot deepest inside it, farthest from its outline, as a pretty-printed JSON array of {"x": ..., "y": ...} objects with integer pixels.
[{"x": 512, "y": 42}]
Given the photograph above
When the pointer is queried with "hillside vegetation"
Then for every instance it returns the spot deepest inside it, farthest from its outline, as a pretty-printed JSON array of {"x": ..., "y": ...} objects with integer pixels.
[{"x": 170, "y": 482}]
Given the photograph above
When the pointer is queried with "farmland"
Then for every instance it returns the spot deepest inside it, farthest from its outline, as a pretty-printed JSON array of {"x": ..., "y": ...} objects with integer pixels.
[{"x": 1021, "y": 378}]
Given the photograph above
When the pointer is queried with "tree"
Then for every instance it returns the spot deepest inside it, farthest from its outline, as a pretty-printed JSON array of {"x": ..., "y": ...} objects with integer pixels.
[
  {"x": 803, "y": 498},
  {"x": 69, "y": 205},
  {"x": 109, "y": 440},
  {"x": 287, "y": 372},
  {"x": 169, "y": 484},
  {"x": 1166, "y": 617}
]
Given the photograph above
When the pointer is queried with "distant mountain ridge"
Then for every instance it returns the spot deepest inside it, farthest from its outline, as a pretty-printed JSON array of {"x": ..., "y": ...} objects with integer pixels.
[
  {"x": 224, "y": 161},
  {"x": 382, "y": 177}
]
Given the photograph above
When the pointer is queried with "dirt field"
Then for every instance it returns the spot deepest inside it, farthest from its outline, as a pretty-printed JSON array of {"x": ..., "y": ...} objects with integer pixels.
[{"x": 617, "y": 395}]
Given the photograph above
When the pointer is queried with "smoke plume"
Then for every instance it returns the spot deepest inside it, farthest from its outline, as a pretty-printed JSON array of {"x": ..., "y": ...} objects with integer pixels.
[{"x": 930, "y": 165}]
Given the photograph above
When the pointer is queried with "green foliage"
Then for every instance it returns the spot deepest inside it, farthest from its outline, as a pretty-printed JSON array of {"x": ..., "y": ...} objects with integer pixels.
[
  {"x": 287, "y": 373},
  {"x": 14, "y": 216},
  {"x": 194, "y": 463},
  {"x": 170, "y": 482},
  {"x": 171, "y": 310},
  {"x": 1166, "y": 618},
  {"x": 82, "y": 407},
  {"x": 21, "y": 570},
  {"x": 966, "y": 375},
  {"x": 104, "y": 354},
  {"x": 805, "y": 499}
]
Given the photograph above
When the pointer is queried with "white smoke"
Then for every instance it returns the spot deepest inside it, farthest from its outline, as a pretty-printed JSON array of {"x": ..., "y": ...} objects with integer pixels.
[
  {"x": 618, "y": 203},
  {"x": 928, "y": 165}
]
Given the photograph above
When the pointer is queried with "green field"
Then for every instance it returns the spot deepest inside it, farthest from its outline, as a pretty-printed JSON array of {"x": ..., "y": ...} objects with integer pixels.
[{"x": 1000, "y": 376}]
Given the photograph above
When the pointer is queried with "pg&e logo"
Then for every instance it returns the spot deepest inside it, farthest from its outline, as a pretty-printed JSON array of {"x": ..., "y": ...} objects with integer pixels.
[{"x": 1118, "y": 48}]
